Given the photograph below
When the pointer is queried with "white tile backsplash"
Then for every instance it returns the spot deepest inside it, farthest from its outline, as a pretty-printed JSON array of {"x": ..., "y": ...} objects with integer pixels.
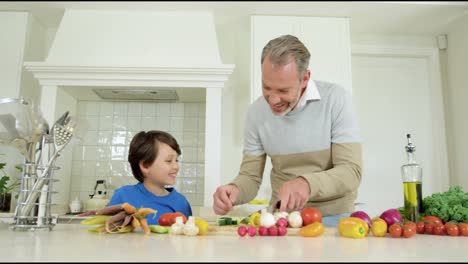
[
  {"x": 105, "y": 123},
  {"x": 120, "y": 109},
  {"x": 106, "y": 109},
  {"x": 102, "y": 154}
]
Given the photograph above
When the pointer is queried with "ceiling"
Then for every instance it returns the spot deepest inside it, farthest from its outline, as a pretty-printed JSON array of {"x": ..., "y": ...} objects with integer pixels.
[
  {"x": 390, "y": 18},
  {"x": 420, "y": 18}
]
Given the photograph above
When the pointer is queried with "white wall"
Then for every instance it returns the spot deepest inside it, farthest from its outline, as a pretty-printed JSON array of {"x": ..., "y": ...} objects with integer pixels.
[
  {"x": 13, "y": 27},
  {"x": 457, "y": 107},
  {"x": 35, "y": 50},
  {"x": 234, "y": 44},
  {"x": 21, "y": 39}
]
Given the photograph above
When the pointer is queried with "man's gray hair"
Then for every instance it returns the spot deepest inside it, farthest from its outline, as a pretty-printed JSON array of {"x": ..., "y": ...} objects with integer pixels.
[{"x": 282, "y": 50}]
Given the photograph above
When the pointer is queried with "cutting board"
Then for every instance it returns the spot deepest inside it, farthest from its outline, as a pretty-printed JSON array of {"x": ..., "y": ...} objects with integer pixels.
[{"x": 231, "y": 230}]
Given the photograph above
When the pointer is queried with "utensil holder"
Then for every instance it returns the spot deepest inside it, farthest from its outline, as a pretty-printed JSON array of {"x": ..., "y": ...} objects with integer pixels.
[{"x": 34, "y": 219}]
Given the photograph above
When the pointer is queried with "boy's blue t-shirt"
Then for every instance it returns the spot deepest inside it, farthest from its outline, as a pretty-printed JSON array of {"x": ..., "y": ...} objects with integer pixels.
[{"x": 138, "y": 196}]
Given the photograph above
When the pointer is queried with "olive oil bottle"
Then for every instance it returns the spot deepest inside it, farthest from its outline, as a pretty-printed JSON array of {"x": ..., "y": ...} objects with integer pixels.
[{"x": 412, "y": 184}]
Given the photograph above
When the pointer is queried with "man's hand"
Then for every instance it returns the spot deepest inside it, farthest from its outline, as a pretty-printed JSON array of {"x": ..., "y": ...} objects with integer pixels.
[
  {"x": 224, "y": 198},
  {"x": 294, "y": 194}
]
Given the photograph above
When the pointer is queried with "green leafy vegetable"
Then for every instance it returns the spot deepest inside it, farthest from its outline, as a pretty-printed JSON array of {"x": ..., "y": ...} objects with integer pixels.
[{"x": 448, "y": 206}]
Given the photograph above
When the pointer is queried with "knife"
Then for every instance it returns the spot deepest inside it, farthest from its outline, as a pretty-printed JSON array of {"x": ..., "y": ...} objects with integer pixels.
[{"x": 275, "y": 208}]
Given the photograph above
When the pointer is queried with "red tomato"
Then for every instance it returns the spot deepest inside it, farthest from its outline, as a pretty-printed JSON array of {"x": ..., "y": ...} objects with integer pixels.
[
  {"x": 395, "y": 230},
  {"x": 167, "y": 219},
  {"x": 452, "y": 229},
  {"x": 310, "y": 215},
  {"x": 412, "y": 224},
  {"x": 431, "y": 218},
  {"x": 420, "y": 227},
  {"x": 463, "y": 229},
  {"x": 428, "y": 228},
  {"x": 439, "y": 229},
  {"x": 409, "y": 229}
]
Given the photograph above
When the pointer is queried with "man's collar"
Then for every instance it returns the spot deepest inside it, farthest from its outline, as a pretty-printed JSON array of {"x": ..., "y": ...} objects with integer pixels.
[{"x": 310, "y": 94}]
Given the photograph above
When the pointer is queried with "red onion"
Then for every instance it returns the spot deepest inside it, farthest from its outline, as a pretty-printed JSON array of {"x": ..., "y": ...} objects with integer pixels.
[
  {"x": 364, "y": 216},
  {"x": 391, "y": 216}
]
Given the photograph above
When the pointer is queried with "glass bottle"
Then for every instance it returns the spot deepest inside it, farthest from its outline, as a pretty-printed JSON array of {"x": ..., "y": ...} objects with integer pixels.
[{"x": 412, "y": 184}]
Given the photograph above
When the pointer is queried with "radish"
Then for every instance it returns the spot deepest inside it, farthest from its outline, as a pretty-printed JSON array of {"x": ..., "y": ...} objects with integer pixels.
[
  {"x": 252, "y": 231},
  {"x": 282, "y": 230},
  {"x": 273, "y": 231},
  {"x": 242, "y": 231},
  {"x": 282, "y": 222},
  {"x": 263, "y": 231}
]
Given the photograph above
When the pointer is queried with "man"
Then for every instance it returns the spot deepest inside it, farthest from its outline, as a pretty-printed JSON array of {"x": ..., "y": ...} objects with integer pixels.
[{"x": 308, "y": 129}]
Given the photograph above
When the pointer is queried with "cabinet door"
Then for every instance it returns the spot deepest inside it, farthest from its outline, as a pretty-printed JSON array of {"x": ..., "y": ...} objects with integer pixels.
[
  {"x": 327, "y": 40},
  {"x": 329, "y": 45},
  {"x": 264, "y": 29}
]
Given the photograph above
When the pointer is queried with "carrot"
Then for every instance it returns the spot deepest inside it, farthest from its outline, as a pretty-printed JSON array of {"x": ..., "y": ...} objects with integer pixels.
[
  {"x": 117, "y": 217},
  {"x": 143, "y": 212},
  {"x": 126, "y": 221},
  {"x": 135, "y": 222},
  {"x": 89, "y": 213},
  {"x": 144, "y": 226},
  {"x": 110, "y": 210},
  {"x": 129, "y": 209}
]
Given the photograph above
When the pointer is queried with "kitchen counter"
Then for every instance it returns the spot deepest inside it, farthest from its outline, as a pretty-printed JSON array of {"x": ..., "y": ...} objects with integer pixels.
[{"x": 72, "y": 242}]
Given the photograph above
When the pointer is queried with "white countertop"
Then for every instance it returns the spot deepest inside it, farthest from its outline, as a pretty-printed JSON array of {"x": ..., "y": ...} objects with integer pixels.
[{"x": 72, "y": 242}]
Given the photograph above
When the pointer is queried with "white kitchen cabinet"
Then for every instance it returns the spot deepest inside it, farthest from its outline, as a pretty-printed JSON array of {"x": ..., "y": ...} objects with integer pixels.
[{"x": 327, "y": 39}]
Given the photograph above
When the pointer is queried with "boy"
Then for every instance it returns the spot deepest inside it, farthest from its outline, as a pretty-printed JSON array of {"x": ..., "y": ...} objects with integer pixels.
[{"x": 153, "y": 157}]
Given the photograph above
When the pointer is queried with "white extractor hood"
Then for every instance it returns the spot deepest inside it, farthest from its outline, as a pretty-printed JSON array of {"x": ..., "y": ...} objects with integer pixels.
[{"x": 111, "y": 49}]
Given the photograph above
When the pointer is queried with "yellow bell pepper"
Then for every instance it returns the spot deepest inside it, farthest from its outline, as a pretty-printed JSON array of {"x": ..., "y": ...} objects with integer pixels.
[
  {"x": 379, "y": 227},
  {"x": 255, "y": 219},
  {"x": 352, "y": 227},
  {"x": 202, "y": 226}
]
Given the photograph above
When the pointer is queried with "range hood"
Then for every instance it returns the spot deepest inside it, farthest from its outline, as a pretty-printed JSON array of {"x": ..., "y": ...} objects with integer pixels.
[
  {"x": 137, "y": 95},
  {"x": 139, "y": 50}
]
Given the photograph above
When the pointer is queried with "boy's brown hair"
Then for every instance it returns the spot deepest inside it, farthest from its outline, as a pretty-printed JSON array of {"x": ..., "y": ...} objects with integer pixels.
[{"x": 144, "y": 147}]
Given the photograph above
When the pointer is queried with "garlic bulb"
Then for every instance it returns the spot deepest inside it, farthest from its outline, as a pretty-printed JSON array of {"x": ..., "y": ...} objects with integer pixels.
[
  {"x": 278, "y": 215},
  {"x": 295, "y": 219},
  {"x": 178, "y": 227},
  {"x": 190, "y": 229},
  {"x": 267, "y": 219}
]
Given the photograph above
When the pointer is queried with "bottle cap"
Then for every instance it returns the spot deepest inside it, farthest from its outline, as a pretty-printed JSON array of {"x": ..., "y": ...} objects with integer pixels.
[{"x": 410, "y": 147}]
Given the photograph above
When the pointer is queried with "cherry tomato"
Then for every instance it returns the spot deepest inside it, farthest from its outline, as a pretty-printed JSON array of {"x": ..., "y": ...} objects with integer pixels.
[
  {"x": 439, "y": 229},
  {"x": 310, "y": 215},
  {"x": 420, "y": 227},
  {"x": 463, "y": 229},
  {"x": 395, "y": 230},
  {"x": 409, "y": 229},
  {"x": 431, "y": 218},
  {"x": 452, "y": 229},
  {"x": 428, "y": 228}
]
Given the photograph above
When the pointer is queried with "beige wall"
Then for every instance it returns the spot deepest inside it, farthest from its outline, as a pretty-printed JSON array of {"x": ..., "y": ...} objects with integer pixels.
[{"x": 456, "y": 102}]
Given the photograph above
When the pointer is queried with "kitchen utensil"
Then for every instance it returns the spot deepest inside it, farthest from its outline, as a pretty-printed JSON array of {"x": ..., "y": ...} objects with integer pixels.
[{"x": 62, "y": 132}]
